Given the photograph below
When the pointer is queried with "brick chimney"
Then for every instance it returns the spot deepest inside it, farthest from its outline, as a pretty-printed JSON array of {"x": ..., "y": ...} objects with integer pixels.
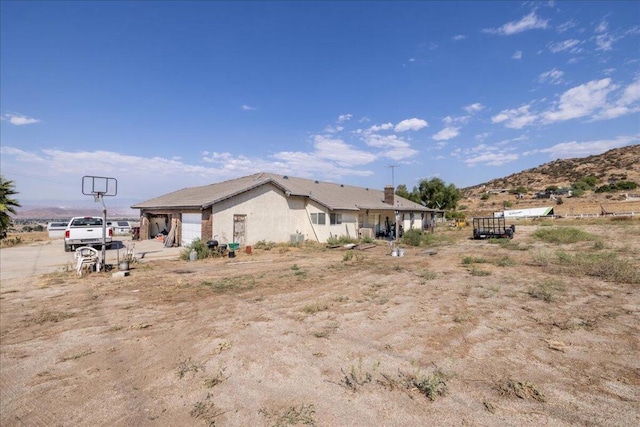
[{"x": 388, "y": 195}]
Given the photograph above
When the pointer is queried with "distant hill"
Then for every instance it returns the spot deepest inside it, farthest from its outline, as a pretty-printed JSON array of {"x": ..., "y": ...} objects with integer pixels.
[
  {"x": 620, "y": 164},
  {"x": 44, "y": 212}
]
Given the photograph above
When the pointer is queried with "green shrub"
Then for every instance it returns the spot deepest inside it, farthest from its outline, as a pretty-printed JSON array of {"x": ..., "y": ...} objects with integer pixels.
[
  {"x": 547, "y": 290},
  {"x": 341, "y": 240},
  {"x": 412, "y": 237},
  {"x": 264, "y": 245},
  {"x": 562, "y": 235},
  {"x": 366, "y": 239},
  {"x": 485, "y": 196},
  {"x": 200, "y": 247}
]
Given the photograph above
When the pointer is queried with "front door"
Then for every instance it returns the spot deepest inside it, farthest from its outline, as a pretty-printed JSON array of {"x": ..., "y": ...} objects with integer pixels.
[{"x": 239, "y": 229}]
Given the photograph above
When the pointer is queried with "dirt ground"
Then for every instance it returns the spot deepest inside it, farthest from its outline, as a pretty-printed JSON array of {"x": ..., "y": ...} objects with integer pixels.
[{"x": 459, "y": 332}]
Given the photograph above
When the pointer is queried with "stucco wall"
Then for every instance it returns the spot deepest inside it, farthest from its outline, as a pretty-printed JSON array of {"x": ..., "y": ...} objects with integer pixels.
[
  {"x": 270, "y": 216},
  {"x": 322, "y": 232}
]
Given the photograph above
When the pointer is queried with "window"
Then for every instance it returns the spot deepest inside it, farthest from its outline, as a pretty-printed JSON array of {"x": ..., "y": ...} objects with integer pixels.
[
  {"x": 318, "y": 218},
  {"x": 335, "y": 218}
]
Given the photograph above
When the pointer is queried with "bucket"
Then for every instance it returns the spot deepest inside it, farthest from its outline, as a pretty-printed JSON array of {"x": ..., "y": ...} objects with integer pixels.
[
  {"x": 247, "y": 249},
  {"x": 400, "y": 252},
  {"x": 193, "y": 255},
  {"x": 394, "y": 252},
  {"x": 232, "y": 254},
  {"x": 124, "y": 265}
]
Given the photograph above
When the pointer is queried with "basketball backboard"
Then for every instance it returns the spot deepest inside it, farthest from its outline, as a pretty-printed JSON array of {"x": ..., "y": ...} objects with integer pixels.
[{"x": 99, "y": 186}]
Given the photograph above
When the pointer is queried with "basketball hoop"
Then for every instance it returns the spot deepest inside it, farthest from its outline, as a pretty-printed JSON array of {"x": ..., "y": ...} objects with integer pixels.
[{"x": 98, "y": 187}]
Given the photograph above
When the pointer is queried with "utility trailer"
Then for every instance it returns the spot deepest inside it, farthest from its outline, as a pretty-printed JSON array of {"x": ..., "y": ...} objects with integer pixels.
[{"x": 492, "y": 228}]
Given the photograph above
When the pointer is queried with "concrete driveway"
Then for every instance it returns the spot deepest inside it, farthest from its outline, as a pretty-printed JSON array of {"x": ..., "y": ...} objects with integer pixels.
[{"x": 49, "y": 256}]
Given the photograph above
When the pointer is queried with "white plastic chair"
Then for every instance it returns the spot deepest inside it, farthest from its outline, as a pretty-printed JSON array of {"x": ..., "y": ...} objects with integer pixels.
[{"x": 87, "y": 257}]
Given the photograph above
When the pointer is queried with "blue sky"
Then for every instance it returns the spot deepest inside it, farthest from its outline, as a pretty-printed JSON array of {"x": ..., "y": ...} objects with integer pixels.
[{"x": 167, "y": 95}]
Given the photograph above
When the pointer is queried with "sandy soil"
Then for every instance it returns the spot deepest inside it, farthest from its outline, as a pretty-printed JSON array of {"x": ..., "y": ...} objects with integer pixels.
[{"x": 459, "y": 333}]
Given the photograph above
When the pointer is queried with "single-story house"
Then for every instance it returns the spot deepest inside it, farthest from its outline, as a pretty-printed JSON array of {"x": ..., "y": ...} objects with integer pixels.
[{"x": 278, "y": 208}]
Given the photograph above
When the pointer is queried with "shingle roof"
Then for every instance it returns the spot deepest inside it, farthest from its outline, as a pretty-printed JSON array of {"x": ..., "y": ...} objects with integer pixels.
[{"x": 333, "y": 196}]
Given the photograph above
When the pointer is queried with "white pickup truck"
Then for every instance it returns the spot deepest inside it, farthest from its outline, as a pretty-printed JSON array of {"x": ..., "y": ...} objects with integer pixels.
[{"x": 86, "y": 231}]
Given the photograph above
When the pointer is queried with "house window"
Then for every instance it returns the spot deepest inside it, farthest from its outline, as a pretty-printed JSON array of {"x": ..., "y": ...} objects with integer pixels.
[
  {"x": 335, "y": 218},
  {"x": 318, "y": 218}
]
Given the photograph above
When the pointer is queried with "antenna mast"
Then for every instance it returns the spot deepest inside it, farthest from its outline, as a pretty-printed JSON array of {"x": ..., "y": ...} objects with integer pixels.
[{"x": 393, "y": 179}]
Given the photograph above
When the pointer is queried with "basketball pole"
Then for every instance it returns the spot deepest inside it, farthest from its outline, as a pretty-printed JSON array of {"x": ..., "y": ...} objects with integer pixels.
[{"x": 100, "y": 197}]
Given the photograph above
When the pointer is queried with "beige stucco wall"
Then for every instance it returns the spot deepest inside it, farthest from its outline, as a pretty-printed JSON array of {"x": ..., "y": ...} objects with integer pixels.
[
  {"x": 320, "y": 232},
  {"x": 273, "y": 216},
  {"x": 270, "y": 216}
]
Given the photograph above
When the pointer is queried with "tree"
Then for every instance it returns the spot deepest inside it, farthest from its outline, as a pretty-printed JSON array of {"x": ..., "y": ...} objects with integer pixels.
[
  {"x": 402, "y": 191},
  {"x": 437, "y": 195},
  {"x": 7, "y": 205}
]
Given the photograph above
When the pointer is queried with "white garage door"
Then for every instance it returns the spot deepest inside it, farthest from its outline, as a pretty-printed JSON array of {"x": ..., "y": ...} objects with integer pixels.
[{"x": 191, "y": 228}]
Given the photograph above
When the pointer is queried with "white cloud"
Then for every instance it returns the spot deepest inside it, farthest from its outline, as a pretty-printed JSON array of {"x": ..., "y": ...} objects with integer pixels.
[
  {"x": 392, "y": 146},
  {"x": 344, "y": 118},
  {"x": 248, "y": 108},
  {"x": 630, "y": 94},
  {"x": 516, "y": 118},
  {"x": 482, "y": 136},
  {"x": 566, "y": 26},
  {"x": 333, "y": 129},
  {"x": 528, "y": 22},
  {"x": 605, "y": 41},
  {"x": 580, "y": 101},
  {"x": 553, "y": 76},
  {"x": 566, "y": 150},
  {"x": 627, "y": 103},
  {"x": 570, "y": 45},
  {"x": 602, "y": 27},
  {"x": 21, "y": 155},
  {"x": 340, "y": 152},
  {"x": 473, "y": 108},
  {"x": 19, "y": 119},
  {"x": 447, "y": 133},
  {"x": 491, "y": 158},
  {"x": 411, "y": 124},
  {"x": 378, "y": 128},
  {"x": 459, "y": 37},
  {"x": 590, "y": 100},
  {"x": 53, "y": 174},
  {"x": 517, "y": 55}
]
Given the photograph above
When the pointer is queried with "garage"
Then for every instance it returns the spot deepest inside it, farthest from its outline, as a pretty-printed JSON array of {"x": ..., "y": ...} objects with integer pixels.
[{"x": 191, "y": 228}]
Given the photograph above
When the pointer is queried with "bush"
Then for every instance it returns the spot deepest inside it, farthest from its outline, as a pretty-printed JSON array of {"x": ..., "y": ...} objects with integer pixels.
[
  {"x": 264, "y": 245},
  {"x": 412, "y": 237},
  {"x": 485, "y": 196},
  {"x": 563, "y": 235},
  {"x": 576, "y": 192},
  {"x": 618, "y": 186},
  {"x": 341, "y": 240},
  {"x": 200, "y": 247}
]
